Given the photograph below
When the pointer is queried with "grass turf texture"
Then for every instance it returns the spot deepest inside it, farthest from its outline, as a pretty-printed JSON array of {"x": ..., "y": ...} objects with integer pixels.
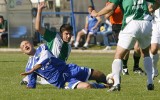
[{"x": 133, "y": 87}]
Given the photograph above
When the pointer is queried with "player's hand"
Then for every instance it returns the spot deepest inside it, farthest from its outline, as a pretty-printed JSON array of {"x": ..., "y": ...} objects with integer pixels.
[
  {"x": 41, "y": 5},
  {"x": 94, "y": 13}
]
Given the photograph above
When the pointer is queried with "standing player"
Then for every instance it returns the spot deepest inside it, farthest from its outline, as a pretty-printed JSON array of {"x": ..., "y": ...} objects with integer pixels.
[
  {"x": 43, "y": 63},
  {"x": 58, "y": 43},
  {"x": 136, "y": 26},
  {"x": 116, "y": 18},
  {"x": 155, "y": 40}
]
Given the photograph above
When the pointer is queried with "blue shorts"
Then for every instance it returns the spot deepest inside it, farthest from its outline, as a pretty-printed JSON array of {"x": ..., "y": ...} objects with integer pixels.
[{"x": 77, "y": 74}]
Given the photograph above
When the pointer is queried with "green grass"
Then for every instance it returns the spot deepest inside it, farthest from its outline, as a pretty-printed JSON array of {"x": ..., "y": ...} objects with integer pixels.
[{"x": 133, "y": 87}]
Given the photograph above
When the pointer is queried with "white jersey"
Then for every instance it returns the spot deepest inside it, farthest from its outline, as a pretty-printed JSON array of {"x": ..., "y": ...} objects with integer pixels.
[{"x": 157, "y": 15}]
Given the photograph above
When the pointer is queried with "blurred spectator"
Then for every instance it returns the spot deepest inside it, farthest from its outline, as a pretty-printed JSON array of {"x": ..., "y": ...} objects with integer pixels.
[
  {"x": 91, "y": 28},
  {"x": 3, "y": 30},
  {"x": 105, "y": 31}
]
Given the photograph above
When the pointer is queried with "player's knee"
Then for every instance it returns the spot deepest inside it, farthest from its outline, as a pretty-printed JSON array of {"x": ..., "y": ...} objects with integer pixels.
[
  {"x": 84, "y": 86},
  {"x": 87, "y": 86}
]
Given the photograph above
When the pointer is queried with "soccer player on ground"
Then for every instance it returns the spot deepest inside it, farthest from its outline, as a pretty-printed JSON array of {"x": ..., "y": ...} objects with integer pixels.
[
  {"x": 58, "y": 43},
  {"x": 43, "y": 63},
  {"x": 136, "y": 26},
  {"x": 91, "y": 27}
]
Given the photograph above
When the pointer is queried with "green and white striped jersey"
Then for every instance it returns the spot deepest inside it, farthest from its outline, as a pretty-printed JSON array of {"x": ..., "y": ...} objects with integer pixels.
[
  {"x": 55, "y": 43},
  {"x": 133, "y": 10}
]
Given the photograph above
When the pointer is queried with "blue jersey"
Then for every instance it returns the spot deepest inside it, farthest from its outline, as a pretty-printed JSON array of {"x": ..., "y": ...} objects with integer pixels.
[
  {"x": 54, "y": 70},
  {"x": 91, "y": 22}
]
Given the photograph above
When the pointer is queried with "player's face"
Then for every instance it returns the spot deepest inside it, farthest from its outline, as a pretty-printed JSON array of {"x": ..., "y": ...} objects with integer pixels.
[
  {"x": 26, "y": 47},
  {"x": 90, "y": 10},
  {"x": 66, "y": 36}
]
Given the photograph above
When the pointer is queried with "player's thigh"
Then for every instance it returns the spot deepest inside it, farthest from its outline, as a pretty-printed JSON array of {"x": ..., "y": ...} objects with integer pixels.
[
  {"x": 126, "y": 40},
  {"x": 74, "y": 83},
  {"x": 83, "y": 85},
  {"x": 144, "y": 41}
]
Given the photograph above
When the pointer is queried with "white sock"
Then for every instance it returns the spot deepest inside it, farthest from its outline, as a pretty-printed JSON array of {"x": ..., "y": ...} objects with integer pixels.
[
  {"x": 43, "y": 81},
  {"x": 155, "y": 59},
  {"x": 76, "y": 44},
  {"x": 85, "y": 45},
  {"x": 25, "y": 79},
  {"x": 148, "y": 68},
  {"x": 116, "y": 70}
]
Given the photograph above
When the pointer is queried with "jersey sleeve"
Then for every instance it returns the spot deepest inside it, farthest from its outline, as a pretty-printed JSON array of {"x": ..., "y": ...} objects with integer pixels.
[
  {"x": 115, "y": 1},
  {"x": 32, "y": 80},
  {"x": 49, "y": 35}
]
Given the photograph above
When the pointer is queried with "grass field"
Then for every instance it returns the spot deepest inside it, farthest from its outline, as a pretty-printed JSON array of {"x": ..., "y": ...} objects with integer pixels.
[{"x": 133, "y": 87}]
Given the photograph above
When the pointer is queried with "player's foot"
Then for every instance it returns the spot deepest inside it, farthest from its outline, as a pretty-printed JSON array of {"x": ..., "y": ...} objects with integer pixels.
[
  {"x": 139, "y": 71},
  {"x": 84, "y": 48},
  {"x": 115, "y": 88},
  {"x": 155, "y": 74},
  {"x": 125, "y": 71},
  {"x": 23, "y": 82},
  {"x": 150, "y": 86},
  {"x": 107, "y": 48},
  {"x": 74, "y": 47}
]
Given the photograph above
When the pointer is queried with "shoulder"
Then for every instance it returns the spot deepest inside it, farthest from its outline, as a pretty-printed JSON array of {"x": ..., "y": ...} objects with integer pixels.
[{"x": 42, "y": 47}]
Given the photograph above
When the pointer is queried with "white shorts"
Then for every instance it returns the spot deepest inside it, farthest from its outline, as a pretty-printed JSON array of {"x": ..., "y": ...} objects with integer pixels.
[
  {"x": 90, "y": 31},
  {"x": 155, "y": 33},
  {"x": 135, "y": 30}
]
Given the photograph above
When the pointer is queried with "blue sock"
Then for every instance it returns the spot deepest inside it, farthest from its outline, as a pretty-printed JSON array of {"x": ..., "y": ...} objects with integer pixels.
[{"x": 97, "y": 85}]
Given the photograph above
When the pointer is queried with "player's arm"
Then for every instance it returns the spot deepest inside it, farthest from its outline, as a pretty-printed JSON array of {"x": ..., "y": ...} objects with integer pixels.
[
  {"x": 38, "y": 26},
  {"x": 86, "y": 24},
  {"x": 32, "y": 70},
  {"x": 108, "y": 14},
  {"x": 110, "y": 7},
  {"x": 98, "y": 22}
]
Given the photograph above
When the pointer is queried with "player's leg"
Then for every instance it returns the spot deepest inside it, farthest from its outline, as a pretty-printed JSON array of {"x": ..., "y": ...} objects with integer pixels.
[
  {"x": 87, "y": 40},
  {"x": 125, "y": 61},
  {"x": 125, "y": 43},
  {"x": 136, "y": 57},
  {"x": 144, "y": 41},
  {"x": 98, "y": 76},
  {"x": 155, "y": 57},
  {"x": 155, "y": 42},
  {"x": 148, "y": 68},
  {"x": 79, "y": 35}
]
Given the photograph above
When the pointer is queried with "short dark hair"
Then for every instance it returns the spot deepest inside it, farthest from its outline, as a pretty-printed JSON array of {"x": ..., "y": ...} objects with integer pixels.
[
  {"x": 91, "y": 7},
  {"x": 1, "y": 17},
  {"x": 66, "y": 27}
]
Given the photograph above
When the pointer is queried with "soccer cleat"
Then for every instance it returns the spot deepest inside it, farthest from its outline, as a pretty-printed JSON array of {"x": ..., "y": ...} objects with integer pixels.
[
  {"x": 74, "y": 47},
  {"x": 139, "y": 71},
  {"x": 84, "y": 48},
  {"x": 150, "y": 86},
  {"x": 125, "y": 71},
  {"x": 115, "y": 88},
  {"x": 23, "y": 82}
]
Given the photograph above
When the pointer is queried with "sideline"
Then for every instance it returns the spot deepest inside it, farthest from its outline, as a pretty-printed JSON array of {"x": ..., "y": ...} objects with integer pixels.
[{"x": 73, "y": 51}]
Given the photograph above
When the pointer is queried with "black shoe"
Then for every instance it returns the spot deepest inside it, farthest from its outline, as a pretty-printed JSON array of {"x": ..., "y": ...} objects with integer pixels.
[
  {"x": 84, "y": 48},
  {"x": 139, "y": 71},
  {"x": 23, "y": 82},
  {"x": 150, "y": 86},
  {"x": 74, "y": 47},
  {"x": 125, "y": 71},
  {"x": 115, "y": 88}
]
